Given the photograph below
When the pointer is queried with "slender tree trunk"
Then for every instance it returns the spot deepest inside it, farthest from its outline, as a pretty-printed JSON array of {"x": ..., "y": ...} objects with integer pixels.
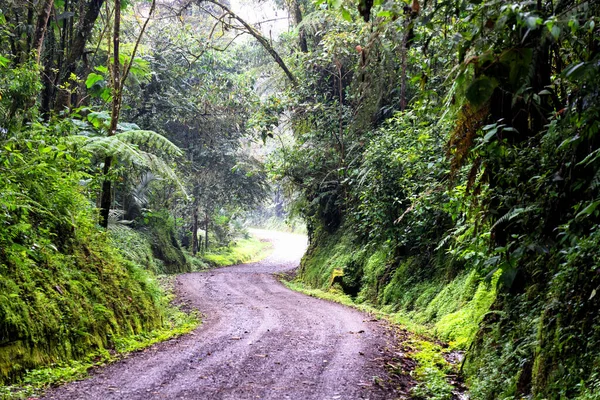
[
  {"x": 106, "y": 200},
  {"x": 206, "y": 230},
  {"x": 408, "y": 34},
  {"x": 30, "y": 15},
  {"x": 195, "y": 230},
  {"x": 79, "y": 40},
  {"x": 41, "y": 27},
  {"x": 297, "y": 20},
  {"x": 49, "y": 76},
  {"x": 118, "y": 81},
  {"x": 403, "y": 62}
]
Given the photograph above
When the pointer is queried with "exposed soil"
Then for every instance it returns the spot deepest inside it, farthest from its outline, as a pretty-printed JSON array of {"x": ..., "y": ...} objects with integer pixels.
[{"x": 258, "y": 340}]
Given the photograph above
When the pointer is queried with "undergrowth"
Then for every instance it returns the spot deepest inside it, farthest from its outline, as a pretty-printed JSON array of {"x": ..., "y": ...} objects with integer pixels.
[
  {"x": 239, "y": 251},
  {"x": 432, "y": 298},
  {"x": 175, "y": 322}
]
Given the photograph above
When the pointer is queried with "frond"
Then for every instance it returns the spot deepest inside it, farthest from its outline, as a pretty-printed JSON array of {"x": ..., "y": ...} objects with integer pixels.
[
  {"x": 149, "y": 140},
  {"x": 138, "y": 147},
  {"x": 512, "y": 214},
  {"x": 112, "y": 146},
  {"x": 160, "y": 167},
  {"x": 314, "y": 21},
  {"x": 140, "y": 192}
]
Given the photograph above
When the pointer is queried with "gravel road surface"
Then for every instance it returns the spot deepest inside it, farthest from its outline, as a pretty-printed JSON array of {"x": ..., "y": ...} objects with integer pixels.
[{"x": 258, "y": 340}]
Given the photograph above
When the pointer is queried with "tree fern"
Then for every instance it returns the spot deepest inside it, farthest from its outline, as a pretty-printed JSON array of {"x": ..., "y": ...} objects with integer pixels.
[
  {"x": 142, "y": 148},
  {"x": 149, "y": 140}
]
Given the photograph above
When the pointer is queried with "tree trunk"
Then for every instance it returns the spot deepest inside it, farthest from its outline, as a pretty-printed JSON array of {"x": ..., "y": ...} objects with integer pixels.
[
  {"x": 76, "y": 51},
  {"x": 205, "y": 231},
  {"x": 41, "y": 27},
  {"x": 118, "y": 82},
  {"x": 297, "y": 20},
  {"x": 195, "y": 230},
  {"x": 106, "y": 200},
  {"x": 49, "y": 76}
]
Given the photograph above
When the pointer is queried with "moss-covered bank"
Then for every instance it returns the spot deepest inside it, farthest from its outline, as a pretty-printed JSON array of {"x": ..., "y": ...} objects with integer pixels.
[
  {"x": 239, "y": 251},
  {"x": 64, "y": 305},
  {"x": 438, "y": 297},
  {"x": 69, "y": 290},
  {"x": 540, "y": 338}
]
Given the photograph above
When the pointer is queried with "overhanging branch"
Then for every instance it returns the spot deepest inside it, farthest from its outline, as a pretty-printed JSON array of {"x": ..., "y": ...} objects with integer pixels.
[{"x": 258, "y": 36}]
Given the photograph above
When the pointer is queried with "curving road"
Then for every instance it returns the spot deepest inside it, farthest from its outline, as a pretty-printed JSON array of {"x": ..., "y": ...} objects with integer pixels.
[{"x": 258, "y": 340}]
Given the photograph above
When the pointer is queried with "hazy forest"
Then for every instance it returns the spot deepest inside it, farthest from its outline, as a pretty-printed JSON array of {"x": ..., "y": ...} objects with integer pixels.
[{"x": 441, "y": 156}]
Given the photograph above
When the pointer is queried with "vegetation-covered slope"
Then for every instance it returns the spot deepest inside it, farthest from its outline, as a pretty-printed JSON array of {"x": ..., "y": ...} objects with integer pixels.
[
  {"x": 447, "y": 155},
  {"x": 92, "y": 206},
  {"x": 65, "y": 291}
]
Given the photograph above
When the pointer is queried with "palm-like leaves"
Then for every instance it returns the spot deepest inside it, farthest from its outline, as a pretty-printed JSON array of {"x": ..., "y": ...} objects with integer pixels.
[{"x": 131, "y": 145}]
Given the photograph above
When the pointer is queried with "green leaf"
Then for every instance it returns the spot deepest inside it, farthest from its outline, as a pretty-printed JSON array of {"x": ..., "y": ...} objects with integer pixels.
[
  {"x": 533, "y": 22},
  {"x": 575, "y": 70},
  {"x": 591, "y": 26},
  {"x": 346, "y": 15},
  {"x": 555, "y": 31},
  {"x": 92, "y": 79},
  {"x": 490, "y": 135},
  {"x": 4, "y": 61},
  {"x": 589, "y": 209},
  {"x": 98, "y": 118},
  {"x": 480, "y": 90}
]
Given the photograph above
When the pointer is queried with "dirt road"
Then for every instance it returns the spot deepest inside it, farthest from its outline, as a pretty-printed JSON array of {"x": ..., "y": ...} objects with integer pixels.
[{"x": 258, "y": 340}]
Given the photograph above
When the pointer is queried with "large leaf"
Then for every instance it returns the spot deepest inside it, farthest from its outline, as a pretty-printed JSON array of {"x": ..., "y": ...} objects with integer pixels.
[
  {"x": 92, "y": 79},
  {"x": 480, "y": 90}
]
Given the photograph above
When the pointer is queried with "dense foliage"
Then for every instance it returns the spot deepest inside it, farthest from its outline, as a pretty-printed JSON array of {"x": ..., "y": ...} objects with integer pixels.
[
  {"x": 121, "y": 115},
  {"x": 444, "y": 155},
  {"x": 64, "y": 290},
  {"x": 447, "y": 157}
]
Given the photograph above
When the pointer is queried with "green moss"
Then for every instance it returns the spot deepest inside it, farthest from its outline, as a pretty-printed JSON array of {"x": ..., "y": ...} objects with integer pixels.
[
  {"x": 33, "y": 382},
  {"x": 409, "y": 290},
  {"x": 431, "y": 371},
  {"x": 160, "y": 228},
  {"x": 69, "y": 305},
  {"x": 238, "y": 252},
  {"x": 334, "y": 261},
  {"x": 136, "y": 247},
  {"x": 459, "y": 327},
  {"x": 59, "y": 307}
]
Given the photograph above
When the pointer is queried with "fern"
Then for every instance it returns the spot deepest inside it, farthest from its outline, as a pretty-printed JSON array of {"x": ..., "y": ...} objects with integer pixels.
[
  {"x": 149, "y": 140},
  {"x": 512, "y": 214},
  {"x": 314, "y": 22},
  {"x": 142, "y": 148}
]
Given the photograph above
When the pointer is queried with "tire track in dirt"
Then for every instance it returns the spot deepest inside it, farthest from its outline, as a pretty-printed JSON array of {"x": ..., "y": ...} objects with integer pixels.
[{"x": 258, "y": 340}]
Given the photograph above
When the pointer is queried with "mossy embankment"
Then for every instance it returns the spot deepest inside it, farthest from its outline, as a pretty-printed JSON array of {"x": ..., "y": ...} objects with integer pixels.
[
  {"x": 543, "y": 336},
  {"x": 440, "y": 302},
  {"x": 69, "y": 302},
  {"x": 239, "y": 251},
  {"x": 438, "y": 297},
  {"x": 71, "y": 311}
]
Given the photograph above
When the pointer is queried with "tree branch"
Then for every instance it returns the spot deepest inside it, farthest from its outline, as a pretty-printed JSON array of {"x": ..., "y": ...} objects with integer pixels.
[{"x": 259, "y": 37}]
